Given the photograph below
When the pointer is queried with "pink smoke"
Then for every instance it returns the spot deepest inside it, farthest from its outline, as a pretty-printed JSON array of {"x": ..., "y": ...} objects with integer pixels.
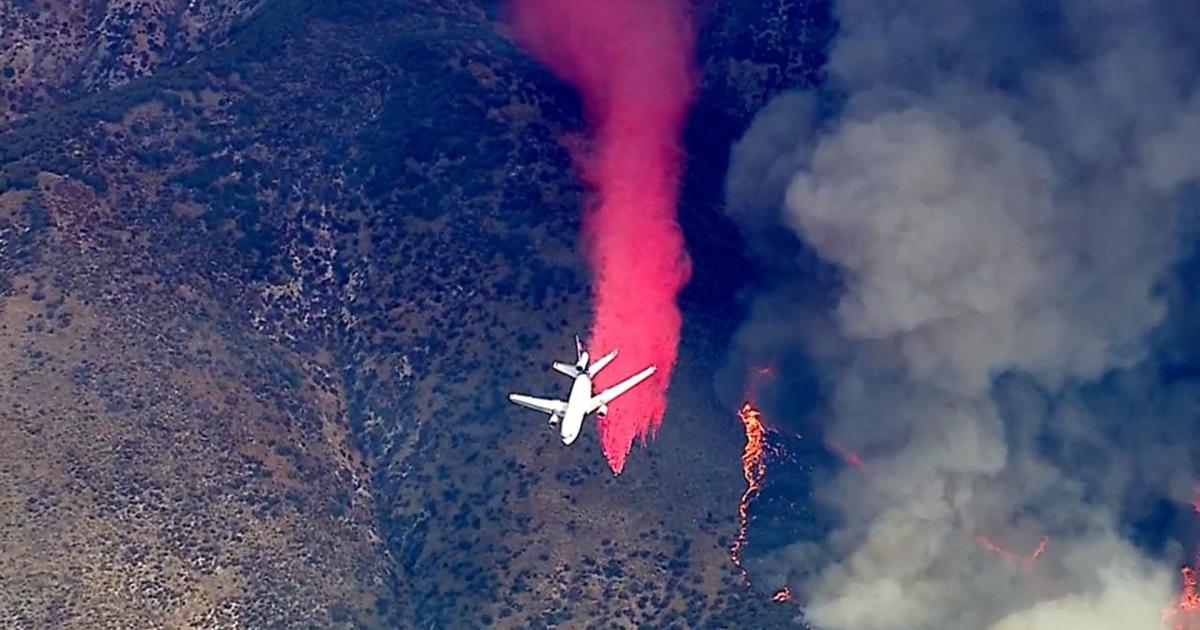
[{"x": 631, "y": 60}]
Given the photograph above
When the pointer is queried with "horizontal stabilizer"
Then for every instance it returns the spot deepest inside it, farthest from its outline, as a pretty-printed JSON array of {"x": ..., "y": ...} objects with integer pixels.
[
  {"x": 565, "y": 368},
  {"x": 595, "y": 368}
]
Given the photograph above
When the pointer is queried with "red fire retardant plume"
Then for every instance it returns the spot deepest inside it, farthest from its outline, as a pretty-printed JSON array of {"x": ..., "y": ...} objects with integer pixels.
[{"x": 631, "y": 60}]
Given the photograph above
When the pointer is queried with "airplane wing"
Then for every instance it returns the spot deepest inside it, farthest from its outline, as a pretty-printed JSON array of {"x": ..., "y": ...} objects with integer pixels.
[
  {"x": 610, "y": 394},
  {"x": 544, "y": 405}
]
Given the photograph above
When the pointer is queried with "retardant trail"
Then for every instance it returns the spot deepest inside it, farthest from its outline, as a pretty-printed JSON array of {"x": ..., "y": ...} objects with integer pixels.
[{"x": 631, "y": 60}]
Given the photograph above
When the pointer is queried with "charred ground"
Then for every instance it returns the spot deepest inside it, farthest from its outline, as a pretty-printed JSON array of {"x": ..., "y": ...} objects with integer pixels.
[{"x": 260, "y": 310}]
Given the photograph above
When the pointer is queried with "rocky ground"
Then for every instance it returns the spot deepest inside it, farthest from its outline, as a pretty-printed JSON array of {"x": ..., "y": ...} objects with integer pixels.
[{"x": 55, "y": 50}]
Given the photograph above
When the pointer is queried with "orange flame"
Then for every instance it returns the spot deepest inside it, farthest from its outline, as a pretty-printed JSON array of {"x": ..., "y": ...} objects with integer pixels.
[
  {"x": 847, "y": 455},
  {"x": 1041, "y": 548},
  {"x": 754, "y": 467},
  {"x": 1026, "y": 561},
  {"x": 1184, "y": 611},
  {"x": 766, "y": 371}
]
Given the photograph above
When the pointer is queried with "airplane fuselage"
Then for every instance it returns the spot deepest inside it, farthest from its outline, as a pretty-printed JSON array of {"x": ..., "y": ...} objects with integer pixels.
[{"x": 577, "y": 407}]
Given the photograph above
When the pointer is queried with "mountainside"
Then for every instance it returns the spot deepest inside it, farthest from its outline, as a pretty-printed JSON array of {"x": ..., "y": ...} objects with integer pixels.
[{"x": 54, "y": 51}]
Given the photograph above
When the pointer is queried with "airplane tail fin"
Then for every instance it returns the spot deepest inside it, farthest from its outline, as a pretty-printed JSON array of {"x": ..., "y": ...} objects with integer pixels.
[{"x": 595, "y": 368}]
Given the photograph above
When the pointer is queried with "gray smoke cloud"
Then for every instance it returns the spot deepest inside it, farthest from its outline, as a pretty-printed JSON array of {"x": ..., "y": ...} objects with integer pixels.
[{"x": 1004, "y": 193}]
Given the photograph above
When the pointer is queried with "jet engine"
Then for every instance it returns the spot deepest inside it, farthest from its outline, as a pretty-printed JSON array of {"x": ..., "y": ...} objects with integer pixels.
[
  {"x": 602, "y": 410},
  {"x": 554, "y": 419}
]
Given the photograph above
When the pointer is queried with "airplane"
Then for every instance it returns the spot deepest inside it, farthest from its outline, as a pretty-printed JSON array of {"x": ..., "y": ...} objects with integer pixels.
[{"x": 580, "y": 402}]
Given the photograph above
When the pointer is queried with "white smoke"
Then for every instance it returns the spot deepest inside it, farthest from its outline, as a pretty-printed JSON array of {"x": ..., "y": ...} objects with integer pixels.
[
  {"x": 1128, "y": 594},
  {"x": 1001, "y": 192}
]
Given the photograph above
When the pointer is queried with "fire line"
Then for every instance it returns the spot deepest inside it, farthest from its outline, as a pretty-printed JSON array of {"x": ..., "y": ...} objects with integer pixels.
[{"x": 753, "y": 469}]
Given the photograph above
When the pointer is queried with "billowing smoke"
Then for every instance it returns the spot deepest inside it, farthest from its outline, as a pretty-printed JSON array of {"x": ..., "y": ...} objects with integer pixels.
[
  {"x": 1002, "y": 188},
  {"x": 631, "y": 60}
]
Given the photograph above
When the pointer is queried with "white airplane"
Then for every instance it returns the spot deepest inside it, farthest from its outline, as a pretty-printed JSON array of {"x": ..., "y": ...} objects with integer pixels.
[{"x": 580, "y": 402}]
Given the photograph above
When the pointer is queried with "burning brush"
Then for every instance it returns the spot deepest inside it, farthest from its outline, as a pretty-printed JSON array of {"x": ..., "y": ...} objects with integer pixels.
[{"x": 754, "y": 468}]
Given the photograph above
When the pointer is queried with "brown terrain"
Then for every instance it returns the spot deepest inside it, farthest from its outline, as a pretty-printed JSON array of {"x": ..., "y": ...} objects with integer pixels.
[{"x": 54, "y": 50}]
